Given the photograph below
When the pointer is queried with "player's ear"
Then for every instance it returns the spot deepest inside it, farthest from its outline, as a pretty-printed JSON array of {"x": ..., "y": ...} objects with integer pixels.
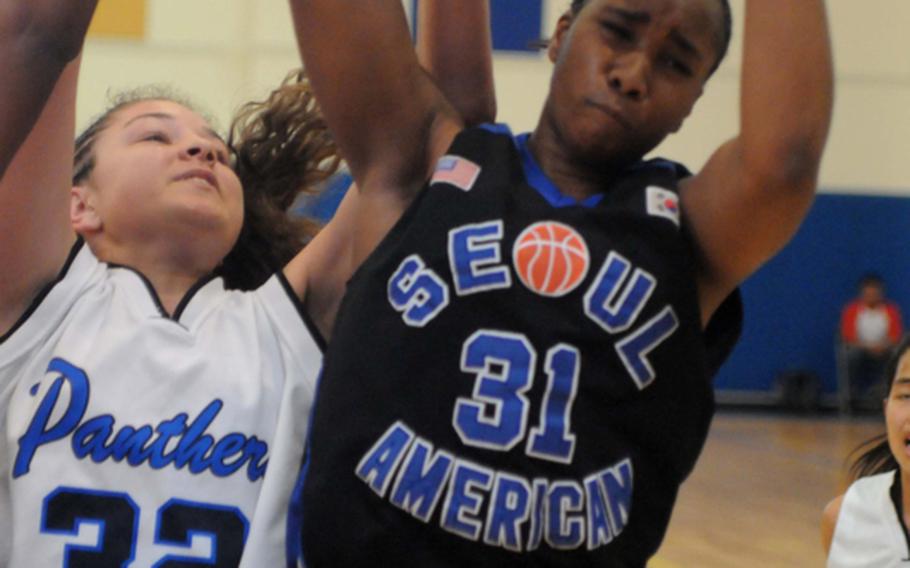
[
  {"x": 559, "y": 35},
  {"x": 84, "y": 217}
]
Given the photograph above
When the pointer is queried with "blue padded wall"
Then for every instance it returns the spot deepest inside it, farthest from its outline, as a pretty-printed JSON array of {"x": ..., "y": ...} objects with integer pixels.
[
  {"x": 793, "y": 303},
  {"x": 515, "y": 23}
]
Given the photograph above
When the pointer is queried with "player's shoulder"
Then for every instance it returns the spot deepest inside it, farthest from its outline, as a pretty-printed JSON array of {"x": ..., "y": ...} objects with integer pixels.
[
  {"x": 829, "y": 521},
  {"x": 486, "y": 141},
  {"x": 663, "y": 166},
  {"x": 863, "y": 491},
  {"x": 667, "y": 175},
  {"x": 286, "y": 313},
  {"x": 55, "y": 299},
  {"x": 832, "y": 510}
]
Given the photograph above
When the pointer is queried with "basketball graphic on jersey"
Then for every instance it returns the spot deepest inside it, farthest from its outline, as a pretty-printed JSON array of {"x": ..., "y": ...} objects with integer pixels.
[{"x": 550, "y": 258}]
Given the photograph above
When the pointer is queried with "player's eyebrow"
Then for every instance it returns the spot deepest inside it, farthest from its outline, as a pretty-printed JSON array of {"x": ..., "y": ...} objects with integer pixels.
[
  {"x": 209, "y": 132},
  {"x": 685, "y": 44},
  {"x": 643, "y": 17},
  {"x": 631, "y": 16}
]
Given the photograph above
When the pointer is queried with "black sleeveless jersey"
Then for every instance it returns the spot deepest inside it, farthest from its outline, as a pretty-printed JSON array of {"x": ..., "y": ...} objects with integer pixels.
[{"x": 515, "y": 378}]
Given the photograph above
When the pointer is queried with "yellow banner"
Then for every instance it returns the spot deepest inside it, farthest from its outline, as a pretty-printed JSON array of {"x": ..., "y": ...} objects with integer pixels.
[{"x": 119, "y": 19}]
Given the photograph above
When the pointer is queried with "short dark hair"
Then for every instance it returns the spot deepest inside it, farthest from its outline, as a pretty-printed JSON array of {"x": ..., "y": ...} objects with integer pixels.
[
  {"x": 722, "y": 49},
  {"x": 283, "y": 149},
  {"x": 871, "y": 279}
]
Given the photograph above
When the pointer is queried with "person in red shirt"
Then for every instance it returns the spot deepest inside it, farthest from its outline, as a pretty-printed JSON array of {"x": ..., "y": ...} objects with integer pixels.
[{"x": 870, "y": 327}]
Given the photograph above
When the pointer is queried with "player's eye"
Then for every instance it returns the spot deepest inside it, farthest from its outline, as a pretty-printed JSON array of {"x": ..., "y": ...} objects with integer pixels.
[
  {"x": 676, "y": 65},
  {"x": 156, "y": 136},
  {"x": 618, "y": 31}
]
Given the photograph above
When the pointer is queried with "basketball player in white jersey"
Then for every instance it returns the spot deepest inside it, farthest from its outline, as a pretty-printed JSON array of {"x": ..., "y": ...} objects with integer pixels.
[
  {"x": 867, "y": 526},
  {"x": 148, "y": 416}
]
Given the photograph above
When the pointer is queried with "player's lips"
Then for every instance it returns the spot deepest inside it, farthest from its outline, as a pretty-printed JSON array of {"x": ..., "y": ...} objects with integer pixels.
[
  {"x": 198, "y": 173},
  {"x": 612, "y": 111},
  {"x": 906, "y": 441}
]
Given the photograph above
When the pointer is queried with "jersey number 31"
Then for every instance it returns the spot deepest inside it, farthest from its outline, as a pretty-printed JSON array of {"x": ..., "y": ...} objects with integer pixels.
[{"x": 496, "y": 416}]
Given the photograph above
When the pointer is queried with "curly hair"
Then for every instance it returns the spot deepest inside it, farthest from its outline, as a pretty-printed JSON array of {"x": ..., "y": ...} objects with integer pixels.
[{"x": 281, "y": 148}]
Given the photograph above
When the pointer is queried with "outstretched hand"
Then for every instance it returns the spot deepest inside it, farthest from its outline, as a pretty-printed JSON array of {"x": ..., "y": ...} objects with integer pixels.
[
  {"x": 56, "y": 28},
  {"x": 38, "y": 38}
]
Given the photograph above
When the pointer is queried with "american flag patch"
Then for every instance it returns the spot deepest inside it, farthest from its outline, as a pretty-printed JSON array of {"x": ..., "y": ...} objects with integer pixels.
[
  {"x": 457, "y": 171},
  {"x": 663, "y": 203}
]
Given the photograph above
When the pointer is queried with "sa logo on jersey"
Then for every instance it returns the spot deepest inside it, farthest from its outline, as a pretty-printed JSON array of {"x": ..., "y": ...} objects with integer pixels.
[
  {"x": 550, "y": 258},
  {"x": 663, "y": 203}
]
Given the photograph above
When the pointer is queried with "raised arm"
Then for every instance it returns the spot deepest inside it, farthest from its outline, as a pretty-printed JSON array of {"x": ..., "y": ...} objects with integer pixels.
[
  {"x": 755, "y": 190},
  {"x": 454, "y": 46},
  {"x": 39, "y": 42},
  {"x": 391, "y": 125},
  {"x": 37, "y": 39},
  {"x": 388, "y": 117}
]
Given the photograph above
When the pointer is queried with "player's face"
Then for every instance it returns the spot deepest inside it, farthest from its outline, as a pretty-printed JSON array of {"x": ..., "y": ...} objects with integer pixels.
[
  {"x": 159, "y": 170},
  {"x": 628, "y": 73},
  {"x": 897, "y": 414}
]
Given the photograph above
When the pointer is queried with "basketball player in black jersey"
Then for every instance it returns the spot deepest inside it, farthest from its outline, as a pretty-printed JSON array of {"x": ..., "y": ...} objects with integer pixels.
[{"x": 520, "y": 372}]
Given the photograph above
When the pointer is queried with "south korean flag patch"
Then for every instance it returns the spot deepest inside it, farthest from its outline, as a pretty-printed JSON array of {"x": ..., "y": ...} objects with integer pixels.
[{"x": 663, "y": 203}]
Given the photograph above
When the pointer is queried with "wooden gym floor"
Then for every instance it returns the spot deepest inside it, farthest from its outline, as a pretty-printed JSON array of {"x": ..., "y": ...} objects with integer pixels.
[{"x": 757, "y": 493}]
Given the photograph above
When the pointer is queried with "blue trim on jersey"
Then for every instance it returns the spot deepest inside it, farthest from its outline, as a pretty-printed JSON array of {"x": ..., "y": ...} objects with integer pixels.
[
  {"x": 544, "y": 186},
  {"x": 293, "y": 540},
  {"x": 538, "y": 180}
]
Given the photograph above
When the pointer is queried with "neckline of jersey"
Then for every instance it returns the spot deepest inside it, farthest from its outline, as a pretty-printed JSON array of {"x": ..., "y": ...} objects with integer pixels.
[
  {"x": 542, "y": 183},
  {"x": 181, "y": 309}
]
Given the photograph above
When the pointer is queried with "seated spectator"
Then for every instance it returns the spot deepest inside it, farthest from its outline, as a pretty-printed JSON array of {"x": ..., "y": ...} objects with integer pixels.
[{"x": 870, "y": 327}]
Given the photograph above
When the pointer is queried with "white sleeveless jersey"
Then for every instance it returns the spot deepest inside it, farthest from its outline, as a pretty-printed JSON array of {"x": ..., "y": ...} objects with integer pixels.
[
  {"x": 868, "y": 533},
  {"x": 128, "y": 438}
]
